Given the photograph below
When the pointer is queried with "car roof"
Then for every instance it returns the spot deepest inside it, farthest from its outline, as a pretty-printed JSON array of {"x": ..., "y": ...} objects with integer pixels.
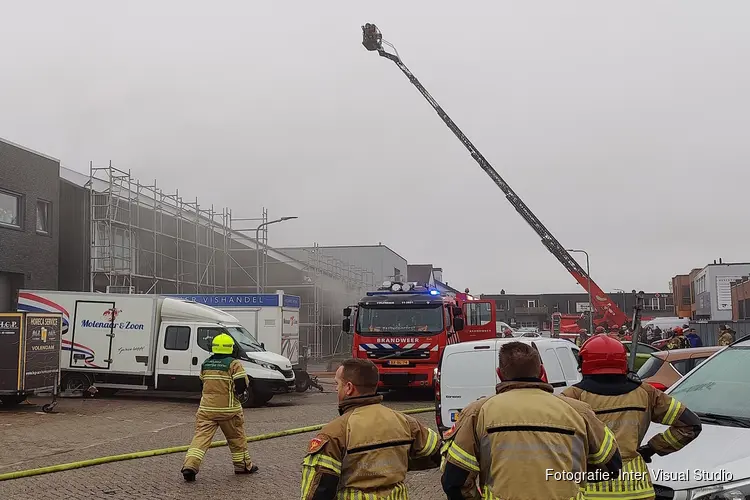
[
  {"x": 678, "y": 354},
  {"x": 539, "y": 341}
]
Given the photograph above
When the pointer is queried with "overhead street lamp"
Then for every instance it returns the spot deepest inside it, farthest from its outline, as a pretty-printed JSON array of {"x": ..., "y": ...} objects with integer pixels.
[
  {"x": 257, "y": 247},
  {"x": 588, "y": 276}
]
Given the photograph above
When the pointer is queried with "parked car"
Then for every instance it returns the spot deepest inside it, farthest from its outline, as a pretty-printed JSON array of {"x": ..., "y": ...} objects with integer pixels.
[
  {"x": 467, "y": 372},
  {"x": 664, "y": 368},
  {"x": 717, "y": 464},
  {"x": 642, "y": 354}
]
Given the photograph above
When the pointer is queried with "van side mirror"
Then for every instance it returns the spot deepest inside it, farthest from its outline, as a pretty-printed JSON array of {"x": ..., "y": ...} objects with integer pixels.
[
  {"x": 347, "y": 312},
  {"x": 458, "y": 324},
  {"x": 346, "y": 325},
  {"x": 457, "y": 311}
]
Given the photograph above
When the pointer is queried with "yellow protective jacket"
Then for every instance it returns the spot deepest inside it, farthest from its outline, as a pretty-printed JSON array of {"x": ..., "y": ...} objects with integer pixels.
[
  {"x": 725, "y": 338},
  {"x": 628, "y": 408},
  {"x": 365, "y": 453},
  {"x": 221, "y": 374},
  {"x": 524, "y": 443}
]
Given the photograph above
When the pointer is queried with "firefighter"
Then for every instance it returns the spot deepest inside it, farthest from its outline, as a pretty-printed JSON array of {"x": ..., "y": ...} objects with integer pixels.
[
  {"x": 678, "y": 341},
  {"x": 224, "y": 380},
  {"x": 366, "y": 452},
  {"x": 599, "y": 329},
  {"x": 525, "y": 442},
  {"x": 627, "y": 407},
  {"x": 582, "y": 337},
  {"x": 726, "y": 336}
]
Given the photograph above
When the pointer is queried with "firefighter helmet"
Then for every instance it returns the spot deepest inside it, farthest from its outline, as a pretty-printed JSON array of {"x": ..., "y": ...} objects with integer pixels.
[
  {"x": 599, "y": 329},
  {"x": 602, "y": 354},
  {"x": 678, "y": 331},
  {"x": 222, "y": 344}
]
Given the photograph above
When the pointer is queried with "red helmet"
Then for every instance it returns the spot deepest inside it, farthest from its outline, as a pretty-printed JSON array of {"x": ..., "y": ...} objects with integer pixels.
[
  {"x": 599, "y": 329},
  {"x": 678, "y": 330},
  {"x": 602, "y": 355}
]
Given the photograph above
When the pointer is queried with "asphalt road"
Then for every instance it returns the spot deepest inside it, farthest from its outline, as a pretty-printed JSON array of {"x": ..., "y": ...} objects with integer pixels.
[{"x": 89, "y": 428}]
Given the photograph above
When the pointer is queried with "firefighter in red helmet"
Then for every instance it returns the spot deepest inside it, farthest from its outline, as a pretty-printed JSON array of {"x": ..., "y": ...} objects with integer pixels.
[{"x": 627, "y": 406}]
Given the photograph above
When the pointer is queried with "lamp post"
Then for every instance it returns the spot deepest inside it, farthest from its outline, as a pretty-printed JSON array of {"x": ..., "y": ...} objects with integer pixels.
[
  {"x": 588, "y": 277},
  {"x": 257, "y": 248}
]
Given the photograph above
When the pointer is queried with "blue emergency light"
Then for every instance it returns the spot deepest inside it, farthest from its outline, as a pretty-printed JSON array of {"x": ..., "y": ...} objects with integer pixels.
[{"x": 391, "y": 288}]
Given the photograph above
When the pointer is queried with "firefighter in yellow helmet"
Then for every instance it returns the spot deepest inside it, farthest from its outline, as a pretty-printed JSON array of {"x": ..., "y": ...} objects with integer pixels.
[
  {"x": 627, "y": 407},
  {"x": 366, "y": 452},
  {"x": 224, "y": 380}
]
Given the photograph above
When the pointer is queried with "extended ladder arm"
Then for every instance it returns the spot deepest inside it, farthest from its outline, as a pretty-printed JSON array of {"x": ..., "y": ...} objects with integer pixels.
[{"x": 605, "y": 309}]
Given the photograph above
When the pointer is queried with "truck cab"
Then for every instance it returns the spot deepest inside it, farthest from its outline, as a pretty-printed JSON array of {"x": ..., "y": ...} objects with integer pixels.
[
  {"x": 403, "y": 328},
  {"x": 186, "y": 345}
]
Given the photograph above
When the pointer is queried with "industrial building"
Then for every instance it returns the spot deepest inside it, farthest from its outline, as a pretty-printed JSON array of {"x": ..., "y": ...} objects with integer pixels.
[
  {"x": 710, "y": 290},
  {"x": 29, "y": 215},
  {"x": 121, "y": 235},
  {"x": 381, "y": 261},
  {"x": 535, "y": 310}
]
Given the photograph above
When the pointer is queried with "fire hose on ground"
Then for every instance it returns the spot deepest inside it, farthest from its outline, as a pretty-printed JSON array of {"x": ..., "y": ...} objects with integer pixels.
[{"x": 164, "y": 451}]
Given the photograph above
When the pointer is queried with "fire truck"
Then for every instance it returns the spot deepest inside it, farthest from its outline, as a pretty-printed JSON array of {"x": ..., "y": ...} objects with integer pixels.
[
  {"x": 404, "y": 327},
  {"x": 605, "y": 310}
]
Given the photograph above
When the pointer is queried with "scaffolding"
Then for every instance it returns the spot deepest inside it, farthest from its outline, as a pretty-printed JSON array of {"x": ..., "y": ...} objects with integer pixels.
[{"x": 143, "y": 240}]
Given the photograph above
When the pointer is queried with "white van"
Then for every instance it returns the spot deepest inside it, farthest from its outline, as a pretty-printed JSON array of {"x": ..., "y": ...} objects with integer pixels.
[
  {"x": 468, "y": 371},
  {"x": 665, "y": 324}
]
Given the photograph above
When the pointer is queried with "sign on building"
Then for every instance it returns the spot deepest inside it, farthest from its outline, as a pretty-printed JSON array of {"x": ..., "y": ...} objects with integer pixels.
[{"x": 583, "y": 307}]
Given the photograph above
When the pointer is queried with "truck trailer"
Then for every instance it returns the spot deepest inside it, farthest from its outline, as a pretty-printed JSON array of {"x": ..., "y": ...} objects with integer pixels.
[{"x": 149, "y": 342}]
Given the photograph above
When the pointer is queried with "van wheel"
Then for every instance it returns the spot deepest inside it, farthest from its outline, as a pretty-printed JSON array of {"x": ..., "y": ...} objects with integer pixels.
[{"x": 247, "y": 399}]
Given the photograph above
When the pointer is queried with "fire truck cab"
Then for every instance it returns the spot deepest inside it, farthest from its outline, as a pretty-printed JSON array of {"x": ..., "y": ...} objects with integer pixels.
[{"x": 404, "y": 328}]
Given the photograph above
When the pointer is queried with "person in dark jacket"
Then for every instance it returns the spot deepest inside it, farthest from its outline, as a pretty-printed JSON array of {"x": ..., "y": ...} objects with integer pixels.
[{"x": 695, "y": 340}]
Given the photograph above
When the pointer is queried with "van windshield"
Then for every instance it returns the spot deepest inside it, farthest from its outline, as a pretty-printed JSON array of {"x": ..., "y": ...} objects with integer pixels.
[
  {"x": 719, "y": 387},
  {"x": 245, "y": 339},
  {"x": 413, "y": 319}
]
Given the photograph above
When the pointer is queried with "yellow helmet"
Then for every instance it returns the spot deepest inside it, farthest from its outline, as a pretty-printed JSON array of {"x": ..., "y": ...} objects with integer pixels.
[{"x": 222, "y": 344}]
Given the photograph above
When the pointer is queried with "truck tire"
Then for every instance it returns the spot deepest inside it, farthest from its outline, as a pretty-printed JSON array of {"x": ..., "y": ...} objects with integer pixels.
[
  {"x": 301, "y": 381},
  {"x": 75, "y": 383}
]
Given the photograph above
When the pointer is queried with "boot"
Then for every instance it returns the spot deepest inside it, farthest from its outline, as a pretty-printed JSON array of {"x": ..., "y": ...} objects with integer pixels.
[
  {"x": 252, "y": 470},
  {"x": 188, "y": 475}
]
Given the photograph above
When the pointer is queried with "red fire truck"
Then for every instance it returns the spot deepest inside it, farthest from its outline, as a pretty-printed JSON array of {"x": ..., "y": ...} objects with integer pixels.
[{"x": 404, "y": 327}]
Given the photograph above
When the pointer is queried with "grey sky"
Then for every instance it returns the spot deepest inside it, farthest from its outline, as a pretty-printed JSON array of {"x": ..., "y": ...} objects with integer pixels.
[{"x": 624, "y": 126}]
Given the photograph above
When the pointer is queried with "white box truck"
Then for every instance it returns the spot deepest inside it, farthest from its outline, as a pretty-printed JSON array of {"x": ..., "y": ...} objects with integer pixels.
[
  {"x": 272, "y": 318},
  {"x": 148, "y": 342}
]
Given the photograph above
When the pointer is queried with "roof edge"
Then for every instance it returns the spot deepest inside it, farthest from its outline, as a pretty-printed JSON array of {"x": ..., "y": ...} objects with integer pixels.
[{"x": 29, "y": 150}]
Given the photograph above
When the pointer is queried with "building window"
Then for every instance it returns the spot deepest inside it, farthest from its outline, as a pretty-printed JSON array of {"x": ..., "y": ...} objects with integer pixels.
[
  {"x": 43, "y": 217},
  {"x": 685, "y": 292},
  {"x": 177, "y": 338},
  {"x": 655, "y": 303},
  {"x": 10, "y": 209},
  {"x": 502, "y": 305},
  {"x": 529, "y": 324},
  {"x": 114, "y": 250},
  {"x": 531, "y": 303}
]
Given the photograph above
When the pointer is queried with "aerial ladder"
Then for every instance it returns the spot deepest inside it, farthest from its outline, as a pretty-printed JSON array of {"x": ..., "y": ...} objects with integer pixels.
[{"x": 605, "y": 311}]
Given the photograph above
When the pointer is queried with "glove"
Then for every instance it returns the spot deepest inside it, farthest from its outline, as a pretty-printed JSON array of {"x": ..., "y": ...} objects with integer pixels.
[{"x": 646, "y": 452}]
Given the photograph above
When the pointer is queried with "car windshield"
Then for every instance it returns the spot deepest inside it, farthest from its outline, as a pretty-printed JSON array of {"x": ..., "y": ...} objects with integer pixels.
[
  {"x": 720, "y": 386},
  {"x": 650, "y": 367},
  {"x": 245, "y": 339},
  {"x": 389, "y": 320}
]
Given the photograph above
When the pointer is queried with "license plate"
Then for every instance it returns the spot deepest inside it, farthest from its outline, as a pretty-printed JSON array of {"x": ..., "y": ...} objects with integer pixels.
[{"x": 400, "y": 362}]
